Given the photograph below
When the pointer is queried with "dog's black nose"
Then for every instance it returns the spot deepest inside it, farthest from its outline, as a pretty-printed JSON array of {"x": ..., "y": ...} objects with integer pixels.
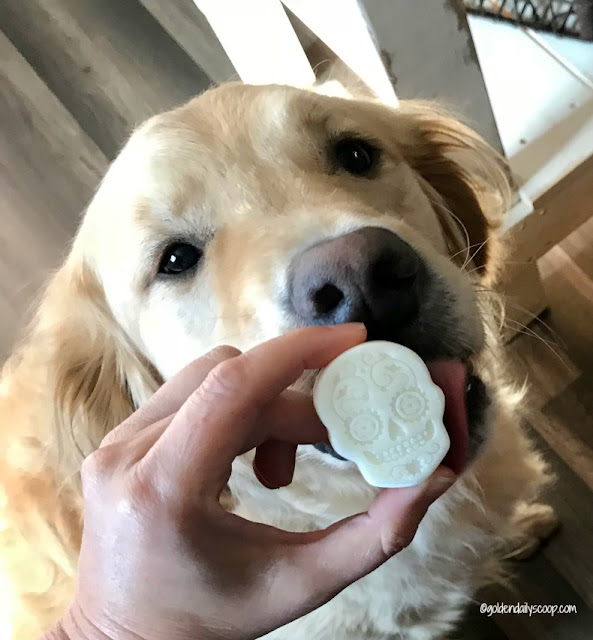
[{"x": 370, "y": 275}]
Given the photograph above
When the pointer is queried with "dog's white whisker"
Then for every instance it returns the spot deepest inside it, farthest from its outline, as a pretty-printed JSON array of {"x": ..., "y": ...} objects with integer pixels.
[
  {"x": 534, "y": 317},
  {"x": 473, "y": 255},
  {"x": 464, "y": 250},
  {"x": 463, "y": 228}
]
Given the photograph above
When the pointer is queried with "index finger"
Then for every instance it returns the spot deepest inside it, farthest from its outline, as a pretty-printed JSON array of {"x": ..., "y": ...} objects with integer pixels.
[
  {"x": 170, "y": 397},
  {"x": 220, "y": 419}
]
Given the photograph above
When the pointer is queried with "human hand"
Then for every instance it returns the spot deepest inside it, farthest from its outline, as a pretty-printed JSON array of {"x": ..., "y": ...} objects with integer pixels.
[{"x": 161, "y": 558}]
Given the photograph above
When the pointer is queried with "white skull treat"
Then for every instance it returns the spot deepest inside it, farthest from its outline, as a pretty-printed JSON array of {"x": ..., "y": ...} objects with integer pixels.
[{"x": 383, "y": 411}]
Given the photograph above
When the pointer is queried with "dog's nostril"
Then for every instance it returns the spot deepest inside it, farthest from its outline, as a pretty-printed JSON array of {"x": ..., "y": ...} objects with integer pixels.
[
  {"x": 390, "y": 275},
  {"x": 368, "y": 275},
  {"x": 326, "y": 299}
]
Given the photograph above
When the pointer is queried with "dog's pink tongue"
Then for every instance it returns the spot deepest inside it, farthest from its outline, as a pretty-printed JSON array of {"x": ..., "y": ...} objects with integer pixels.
[{"x": 451, "y": 377}]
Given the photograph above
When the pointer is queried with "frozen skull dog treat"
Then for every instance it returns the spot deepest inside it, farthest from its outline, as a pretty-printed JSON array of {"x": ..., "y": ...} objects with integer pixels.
[{"x": 383, "y": 411}]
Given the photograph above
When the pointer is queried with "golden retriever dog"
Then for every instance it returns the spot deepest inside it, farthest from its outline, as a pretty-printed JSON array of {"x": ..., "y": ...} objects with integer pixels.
[{"x": 243, "y": 214}]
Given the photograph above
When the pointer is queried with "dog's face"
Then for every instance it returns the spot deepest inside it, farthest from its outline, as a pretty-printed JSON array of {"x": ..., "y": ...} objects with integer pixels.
[{"x": 251, "y": 211}]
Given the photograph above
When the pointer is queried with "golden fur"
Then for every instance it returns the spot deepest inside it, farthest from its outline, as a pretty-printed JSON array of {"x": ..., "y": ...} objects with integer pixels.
[{"x": 243, "y": 167}]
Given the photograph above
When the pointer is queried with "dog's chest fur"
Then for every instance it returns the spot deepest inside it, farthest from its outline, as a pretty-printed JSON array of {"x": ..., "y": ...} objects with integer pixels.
[{"x": 421, "y": 593}]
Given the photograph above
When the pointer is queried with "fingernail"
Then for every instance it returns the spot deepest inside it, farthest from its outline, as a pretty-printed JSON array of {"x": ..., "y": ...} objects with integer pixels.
[
  {"x": 440, "y": 481},
  {"x": 350, "y": 327}
]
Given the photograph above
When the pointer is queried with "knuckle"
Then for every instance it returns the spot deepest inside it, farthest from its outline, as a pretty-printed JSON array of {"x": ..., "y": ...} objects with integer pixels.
[
  {"x": 394, "y": 540},
  {"x": 226, "y": 378},
  {"x": 141, "y": 495},
  {"x": 108, "y": 440},
  {"x": 99, "y": 463}
]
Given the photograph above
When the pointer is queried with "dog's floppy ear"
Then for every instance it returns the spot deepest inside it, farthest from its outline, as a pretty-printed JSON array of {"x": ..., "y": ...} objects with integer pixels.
[
  {"x": 98, "y": 377},
  {"x": 467, "y": 181},
  {"x": 75, "y": 377}
]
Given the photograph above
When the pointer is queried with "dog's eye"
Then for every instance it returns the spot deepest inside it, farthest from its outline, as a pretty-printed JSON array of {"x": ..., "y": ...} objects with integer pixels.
[
  {"x": 355, "y": 155},
  {"x": 179, "y": 257}
]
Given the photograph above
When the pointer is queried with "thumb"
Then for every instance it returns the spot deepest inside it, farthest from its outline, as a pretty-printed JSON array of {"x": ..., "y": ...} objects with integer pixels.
[{"x": 334, "y": 558}]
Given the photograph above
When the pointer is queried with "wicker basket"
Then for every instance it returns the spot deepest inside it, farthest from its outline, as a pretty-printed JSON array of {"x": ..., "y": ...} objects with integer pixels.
[{"x": 572, "y": 18}]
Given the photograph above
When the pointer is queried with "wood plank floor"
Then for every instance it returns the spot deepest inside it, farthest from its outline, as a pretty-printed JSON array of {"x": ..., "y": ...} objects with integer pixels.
[
  {"x": 109, "y": 62},
  {"x": 558, "y": 362},
  {"x": 77, "y": 75},
  {"x": 49, "y": 168}
]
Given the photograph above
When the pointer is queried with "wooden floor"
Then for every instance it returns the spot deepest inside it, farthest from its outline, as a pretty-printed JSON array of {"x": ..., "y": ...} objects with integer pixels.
[
  {"x": 555, "y": 355},
  {"x": 78, "y": 75}
]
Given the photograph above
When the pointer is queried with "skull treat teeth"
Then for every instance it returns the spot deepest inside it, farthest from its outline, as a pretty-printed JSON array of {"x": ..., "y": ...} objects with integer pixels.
[{"x": 383, "y": 411}]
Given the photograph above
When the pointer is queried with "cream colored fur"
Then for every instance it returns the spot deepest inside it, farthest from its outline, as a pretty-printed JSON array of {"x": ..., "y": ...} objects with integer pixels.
[{"x": 243, "y": 168}]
